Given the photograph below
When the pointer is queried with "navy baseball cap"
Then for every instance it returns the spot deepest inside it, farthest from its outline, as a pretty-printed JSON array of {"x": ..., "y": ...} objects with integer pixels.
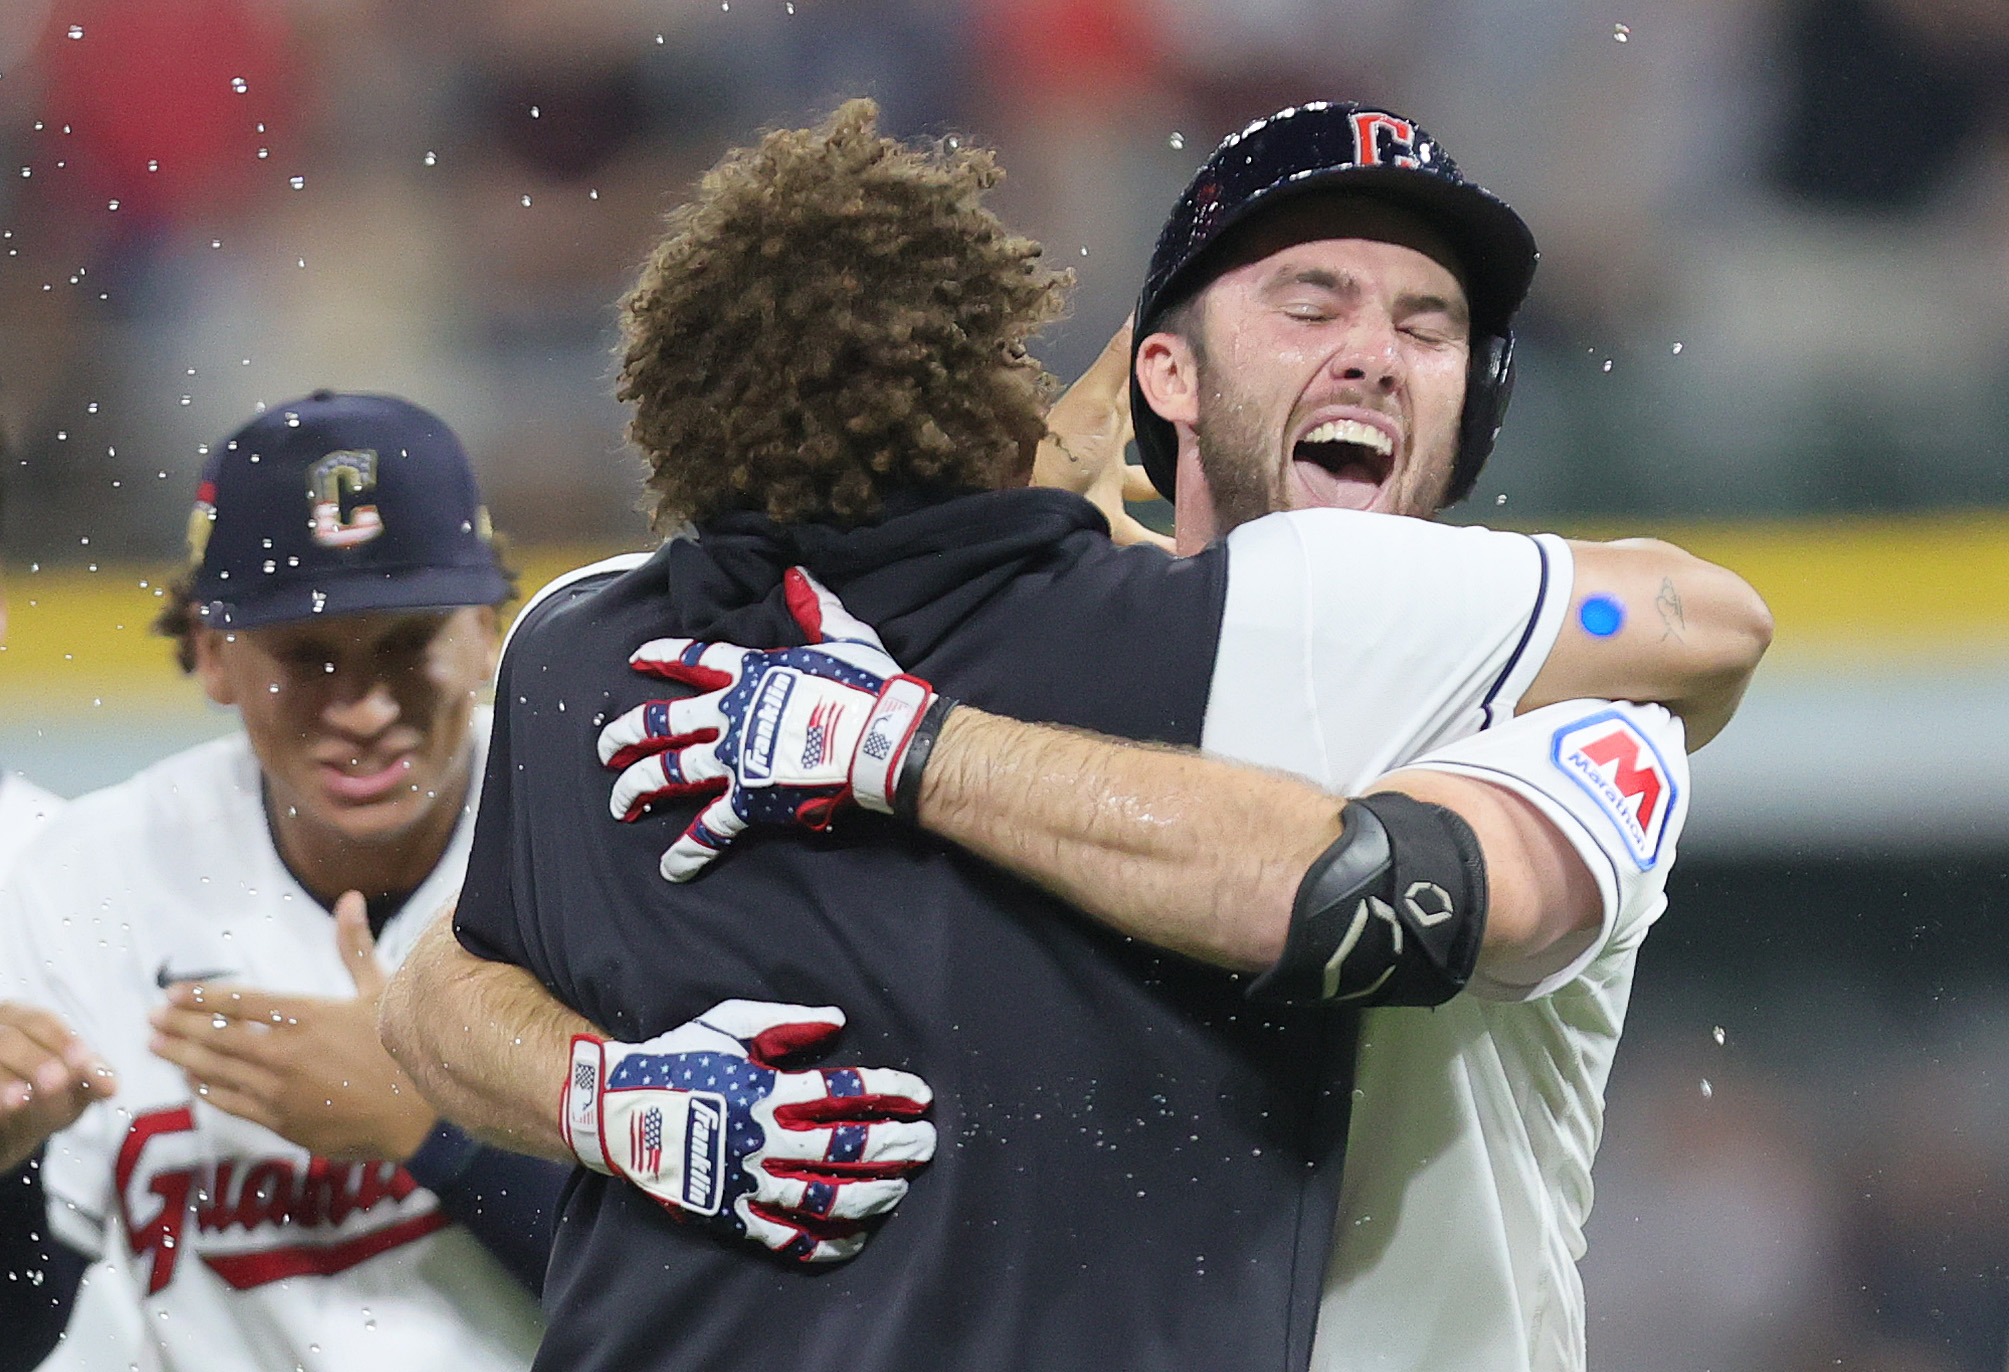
[
  {"x": 335, "y": 505},
  {"x": 1326, "y": 146}
]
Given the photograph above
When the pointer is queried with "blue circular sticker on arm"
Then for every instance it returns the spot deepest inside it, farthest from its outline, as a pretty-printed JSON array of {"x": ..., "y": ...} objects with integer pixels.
[{"x": 1601, "y": 616}]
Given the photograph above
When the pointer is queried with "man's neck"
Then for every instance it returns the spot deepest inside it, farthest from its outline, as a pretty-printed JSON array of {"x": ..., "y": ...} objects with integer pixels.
[
  {"x": 1193, "y": 521},
  {"x": 328, "y": 863}
]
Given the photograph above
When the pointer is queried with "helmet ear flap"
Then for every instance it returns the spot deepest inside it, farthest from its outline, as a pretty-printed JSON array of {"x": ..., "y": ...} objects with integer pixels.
[{"x": 1489, "y": 385}]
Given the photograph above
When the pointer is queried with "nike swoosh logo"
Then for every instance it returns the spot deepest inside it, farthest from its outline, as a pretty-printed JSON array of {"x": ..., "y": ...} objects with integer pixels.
[{"x": 164, "y": 978}]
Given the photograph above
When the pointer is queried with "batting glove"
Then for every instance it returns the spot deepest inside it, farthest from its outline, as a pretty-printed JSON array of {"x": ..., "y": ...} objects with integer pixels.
[
  {"x": 781, "y": 736},
  {"x": 702, "y": 1120}
]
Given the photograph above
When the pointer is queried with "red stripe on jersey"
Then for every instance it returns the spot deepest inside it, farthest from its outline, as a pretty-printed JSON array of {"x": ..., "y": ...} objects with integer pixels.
[{"x": 246, "y": 1270}]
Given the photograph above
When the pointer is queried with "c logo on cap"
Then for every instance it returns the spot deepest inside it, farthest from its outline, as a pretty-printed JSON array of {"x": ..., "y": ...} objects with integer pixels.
[
  {"x": 356, "y": 474},
  {"x": 1382, "y": 140}
]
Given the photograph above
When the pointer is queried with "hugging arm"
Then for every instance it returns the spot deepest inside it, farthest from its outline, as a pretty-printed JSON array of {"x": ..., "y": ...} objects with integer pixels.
[
  {"x": 1207, "y": 857},
  {"x": 486, "y": 1043}
]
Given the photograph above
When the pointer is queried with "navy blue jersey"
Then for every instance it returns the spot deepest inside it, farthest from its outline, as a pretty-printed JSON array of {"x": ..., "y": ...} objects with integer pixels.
[{"x": 1137, "y": 1170}]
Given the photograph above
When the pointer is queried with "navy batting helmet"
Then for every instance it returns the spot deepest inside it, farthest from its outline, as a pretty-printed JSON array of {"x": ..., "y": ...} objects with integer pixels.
[{"x": 1333, "y": 146}]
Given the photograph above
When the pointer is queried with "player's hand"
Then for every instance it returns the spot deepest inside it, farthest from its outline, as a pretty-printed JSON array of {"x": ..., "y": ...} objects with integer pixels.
[
  {"x": 310, "y": 1069},
  {"x": 47, "y": 1078},
  {"x": 781, "y": 735},
  {"x": 703, "y": 1121},
  {"x": 1086, "y": 431}
]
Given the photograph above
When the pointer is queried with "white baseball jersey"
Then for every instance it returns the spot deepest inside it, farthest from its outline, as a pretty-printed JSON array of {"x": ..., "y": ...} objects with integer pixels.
[
  {"x": 1354, "y": 644},
  {"x": 24, "y": 809},
  {"x": 247, "y": 1253}
]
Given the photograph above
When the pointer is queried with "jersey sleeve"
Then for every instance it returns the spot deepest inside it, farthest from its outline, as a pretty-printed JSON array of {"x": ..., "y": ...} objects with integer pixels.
[
  {"x": 485, "y": 919},
  {"x": 1613, "y": 779},
  {"x": 1352, "y": 641}
]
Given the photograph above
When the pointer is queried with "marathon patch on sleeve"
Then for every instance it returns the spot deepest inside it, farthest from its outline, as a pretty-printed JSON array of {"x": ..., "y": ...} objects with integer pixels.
[{"x": 1624, "y": 775}]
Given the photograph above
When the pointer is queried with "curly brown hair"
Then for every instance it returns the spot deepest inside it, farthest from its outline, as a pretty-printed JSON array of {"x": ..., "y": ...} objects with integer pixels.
[{"x": 832, "y": 317}]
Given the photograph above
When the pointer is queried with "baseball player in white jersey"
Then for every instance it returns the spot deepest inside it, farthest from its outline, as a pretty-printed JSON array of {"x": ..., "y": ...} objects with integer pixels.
[
  {"x": 1352, "y": 348},
  {"x": 235, "y": 1142},
  {"x": 1289, "y": 350}
]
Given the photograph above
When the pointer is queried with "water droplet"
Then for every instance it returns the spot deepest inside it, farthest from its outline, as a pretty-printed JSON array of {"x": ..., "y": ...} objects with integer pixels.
[
  {"x": 1620, "y": 32},
  {"x": 1500, "y": 499},
  {"x": 239, "y": 84},
  {"x": 592, "y": 195},
  {"x": 264, "y": 153},
  {"x": 76, "y": 30},
  {"x": 1177, "y": 140},
  {"x": 187, "y": 400},
  {"x": 216, "y": 242},
  {"x": 430, "y": 159},
  {"x": 1718, "y": 1034},
  {"x": 1677, "y": 350},
  {"x": 1607, "y": 364},
  {"x": 526, "y": 202},
  {"x": 1084, "y": 252},
  {"x": 1707, "y": 1090},
  {"x": 791, "y": 6},
  {"x": 110, "y": 205},
  {"x": 298, "y": 183},
  {"x": 659, "y": 40},
  {"x": 91, "y": 408},
  {"x": 152, "y": 164},
  {"x": 534, "y": 113}
]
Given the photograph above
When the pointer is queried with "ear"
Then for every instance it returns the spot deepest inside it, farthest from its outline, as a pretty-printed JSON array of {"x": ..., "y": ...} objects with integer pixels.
[
  {"x": 209, "y": 665},
  {"x": 1168, "y": 373},
  {"x": 490, "y": 620}
]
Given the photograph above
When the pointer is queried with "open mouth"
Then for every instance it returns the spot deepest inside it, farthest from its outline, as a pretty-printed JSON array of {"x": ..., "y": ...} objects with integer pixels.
[{"x": 1341, "y": 464}]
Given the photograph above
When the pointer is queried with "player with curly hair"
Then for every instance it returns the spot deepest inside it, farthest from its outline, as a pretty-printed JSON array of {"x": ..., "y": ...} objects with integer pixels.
[{"x": 825, "y": 322}]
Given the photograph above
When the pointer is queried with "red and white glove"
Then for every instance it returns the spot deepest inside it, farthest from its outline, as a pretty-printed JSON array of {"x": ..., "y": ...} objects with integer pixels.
[
  {"x": 703, "y": 1121},
  {"x": 781, "y": 735}
]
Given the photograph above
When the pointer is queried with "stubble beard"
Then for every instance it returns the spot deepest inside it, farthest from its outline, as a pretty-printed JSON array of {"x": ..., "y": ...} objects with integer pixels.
[{"x": 1244, "y": 483}]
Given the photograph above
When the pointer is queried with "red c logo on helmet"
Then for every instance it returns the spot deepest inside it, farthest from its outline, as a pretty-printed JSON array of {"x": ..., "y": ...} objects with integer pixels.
[{"x": 1369, "y": 128}]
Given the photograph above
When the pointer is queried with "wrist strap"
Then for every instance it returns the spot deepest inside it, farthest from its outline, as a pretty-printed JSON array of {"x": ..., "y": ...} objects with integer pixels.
[
  {"x": 907, "y": 786},
  {"x": 579, "y": 1103},
  {"x": 882, "y": 746}
]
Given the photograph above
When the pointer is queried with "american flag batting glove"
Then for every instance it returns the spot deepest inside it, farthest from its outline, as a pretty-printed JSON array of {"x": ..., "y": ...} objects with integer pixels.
[
  {"x": 702, "y": 1120},
  {"x": 778, "y": 736}
]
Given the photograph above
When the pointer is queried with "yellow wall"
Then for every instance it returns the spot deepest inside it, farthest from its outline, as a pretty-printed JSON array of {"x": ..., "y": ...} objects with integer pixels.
[
  {"x": 1913, "y": 591},
  {"x": 76, "y": 638}
]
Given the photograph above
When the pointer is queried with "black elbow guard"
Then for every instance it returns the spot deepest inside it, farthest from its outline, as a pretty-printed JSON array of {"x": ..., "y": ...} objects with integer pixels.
[{"x": 1391, "y": 914}]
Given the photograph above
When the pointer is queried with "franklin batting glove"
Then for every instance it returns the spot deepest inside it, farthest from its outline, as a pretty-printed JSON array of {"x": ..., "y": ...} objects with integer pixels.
[
  {"x": 702, "y": 1120},
  {"x": 781, "y": 735}
]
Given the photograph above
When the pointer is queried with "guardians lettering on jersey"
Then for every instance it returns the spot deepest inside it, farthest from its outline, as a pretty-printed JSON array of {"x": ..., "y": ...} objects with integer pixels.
[{"x": 258, "y": 1219}]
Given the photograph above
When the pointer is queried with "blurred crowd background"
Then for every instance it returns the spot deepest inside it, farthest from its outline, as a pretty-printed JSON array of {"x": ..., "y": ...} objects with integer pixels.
[{"x": 1772, "y": 321}]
